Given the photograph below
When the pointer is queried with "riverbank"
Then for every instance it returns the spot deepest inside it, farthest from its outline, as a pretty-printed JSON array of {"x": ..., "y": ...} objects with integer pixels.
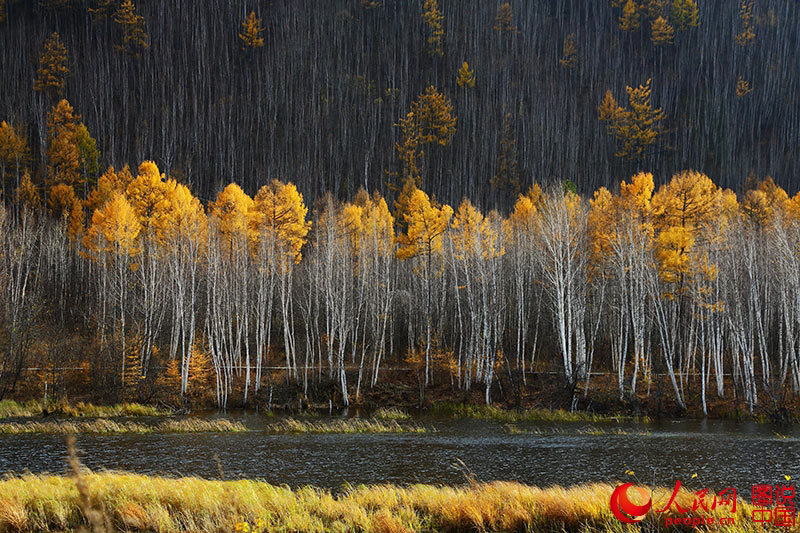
[{"x": 129, "y": 502}]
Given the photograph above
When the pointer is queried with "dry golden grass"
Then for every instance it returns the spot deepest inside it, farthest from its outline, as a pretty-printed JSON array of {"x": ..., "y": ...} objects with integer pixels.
[
  {"x": 104, "y": 427},
  {"x": 349, "y": 425},
  {"x": 141, "y": 503},
  {"x": 10, "y": 408}
]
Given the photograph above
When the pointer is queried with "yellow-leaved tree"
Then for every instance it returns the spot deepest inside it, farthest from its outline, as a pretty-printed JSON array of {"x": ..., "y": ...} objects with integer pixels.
[
  {"x": 430, "y": 120},
  {"x": 51, "y": 77},
  {"x": 147, "y": 195},
  {"x": 426, "y": 223},
  {"x": 433, "y": 18},
  {"x": 635, "y": 127},
  {"x": 13, "y": 154},
  {"x": 63, "y": 152},
  {"x": 466, "y": 76},
  {"x": 232, "y": 210},
  {"x": 251, "y": 32},
  {"x": 278, "y": 210},
  {"x": 134, "y": 39}
]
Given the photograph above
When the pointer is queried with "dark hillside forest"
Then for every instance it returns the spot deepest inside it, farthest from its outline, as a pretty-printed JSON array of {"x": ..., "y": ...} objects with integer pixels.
[{"x": 317, "y": 104}]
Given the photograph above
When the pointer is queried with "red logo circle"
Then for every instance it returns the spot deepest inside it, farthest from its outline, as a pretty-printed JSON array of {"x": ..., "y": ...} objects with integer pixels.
[{"x": 625, "y": 510}]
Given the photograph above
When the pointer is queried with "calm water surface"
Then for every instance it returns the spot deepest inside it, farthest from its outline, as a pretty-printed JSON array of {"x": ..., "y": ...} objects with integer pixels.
[{"x": 722, "y": 453}]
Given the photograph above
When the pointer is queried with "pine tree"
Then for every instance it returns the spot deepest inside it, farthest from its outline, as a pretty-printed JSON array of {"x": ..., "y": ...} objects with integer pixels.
[
  {"x": 51, "y": 77},
  {"x": 251, "y": 32},
  {"x": 134, "y": 38},
  {"x": 89, "y": 154}
]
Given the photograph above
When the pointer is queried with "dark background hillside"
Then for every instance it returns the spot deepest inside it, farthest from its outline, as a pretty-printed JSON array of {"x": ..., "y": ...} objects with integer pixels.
[{"x": 318, "y": 102}]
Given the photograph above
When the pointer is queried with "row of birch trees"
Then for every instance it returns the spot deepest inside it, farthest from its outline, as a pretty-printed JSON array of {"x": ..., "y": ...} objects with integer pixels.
[{"x": 688, "y": 284}]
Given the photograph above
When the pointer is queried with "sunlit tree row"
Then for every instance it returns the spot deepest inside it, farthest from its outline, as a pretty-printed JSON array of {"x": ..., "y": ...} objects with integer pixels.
[{"x": 687, "y": 282}]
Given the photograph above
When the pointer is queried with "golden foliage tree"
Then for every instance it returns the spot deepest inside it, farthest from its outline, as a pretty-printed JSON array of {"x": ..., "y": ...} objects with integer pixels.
[
  {"x": 60, "y": 200},
  {"x": 662, "y": 32},
  {"x": 147, "y": 195},
  {"x": 108, "y": 183},
  {"x": 635, "y": 127},
  {"x": 685, "y": 14},
  {"x": 433, "y": 18},
  {"x": 569, "y": 54},
  {"x": 466, "y": 76},
  {"x": 232, "y": 210},
  {"x": 504, "y": 19},
  {"x": 251, "y": 32},
  {"x": 27, "y": 194},
  {"x": 747, "y": 35},
  {"x": 278, "y": 208},
  {"x": 63, "y": 152},
  {"x": 426, "y": 224},
  {"x": 13, "y": 152},
  {"x": 629, "y": 20},
  {"x": 51, "y": 77},
  {"x": 430, "y": 120},
  {"x": 134, "y": 38},
  {"x": 743, "y": 88},
  {"x": 682, "y": 210},
  {"x": 114, "y": 228}
]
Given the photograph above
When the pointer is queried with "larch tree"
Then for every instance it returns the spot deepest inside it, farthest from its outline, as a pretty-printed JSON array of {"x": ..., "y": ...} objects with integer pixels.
[
  {"x": 430, "y": 120},
  {"x": 426, "y": 223},
  {"x": 250, "y": 35},
  {"x": 662, "y": 32},
  {"x": 685, "y": 14},
  {"x": 466, "y": 77},
  {"x": 63, "y": 151},
  {"x": 569, "y": 53},
  {"x": 13, "y": 155},
  {"x": 133, "y": 38},
  {"x": 504, "y": 19},
  {"x": 51, "y": 76},
  {"x": 433, "y": 18},
  {"x": 637, "y": 127}
]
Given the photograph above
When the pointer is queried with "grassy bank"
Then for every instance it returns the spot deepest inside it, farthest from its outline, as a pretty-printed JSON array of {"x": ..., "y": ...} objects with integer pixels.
[
  {"x": 509, "y": 416},
  {"x": 350, "y": 425},
  {"x": 106, "y": 427},
  {"x": 128, "y": 502},
  {"x": 10, "y": 408}
]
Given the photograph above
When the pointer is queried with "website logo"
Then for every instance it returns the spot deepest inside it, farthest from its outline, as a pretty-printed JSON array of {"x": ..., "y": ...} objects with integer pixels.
[{"x": 624, "y": 509}]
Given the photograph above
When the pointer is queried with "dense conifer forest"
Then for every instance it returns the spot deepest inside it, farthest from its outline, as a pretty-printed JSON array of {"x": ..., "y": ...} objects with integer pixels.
[{"x": 203, "y": 200}]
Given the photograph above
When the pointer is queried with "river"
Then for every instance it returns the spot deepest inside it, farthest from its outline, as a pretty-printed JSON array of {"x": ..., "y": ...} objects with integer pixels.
[{"x": 722, "y": 453}]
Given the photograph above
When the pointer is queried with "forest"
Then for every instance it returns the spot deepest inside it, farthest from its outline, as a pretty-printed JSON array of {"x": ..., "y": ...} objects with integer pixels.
[{"x": 202, "y": 200}]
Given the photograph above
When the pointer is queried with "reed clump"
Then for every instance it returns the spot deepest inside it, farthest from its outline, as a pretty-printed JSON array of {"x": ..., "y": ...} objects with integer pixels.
[
  {"x": 107, "y": 427},
  {"x": 133, "y": 502},
  {"x": 390, "y": 413},
  {"x": 13, "y": 409},
  {"x": 490, "y": 412},
  {"x": 350, "y": 425}
]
